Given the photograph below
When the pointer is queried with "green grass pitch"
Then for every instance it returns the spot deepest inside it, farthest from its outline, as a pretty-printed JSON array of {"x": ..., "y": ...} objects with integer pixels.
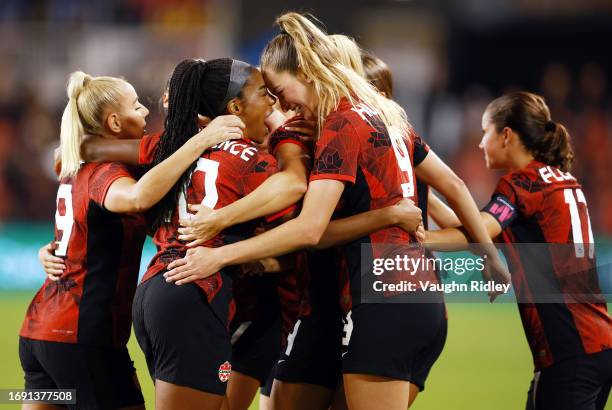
[{"x": 486, "y": 363}]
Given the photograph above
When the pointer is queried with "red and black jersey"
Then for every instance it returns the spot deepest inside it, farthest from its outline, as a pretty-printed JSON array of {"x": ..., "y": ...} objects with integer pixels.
[
  {"x": 355, "y": 147},
  {"x": 92, "y": 302},
  {"x": 282, "y": 136},
  {"x": 223, "y": 174},
  {"x": 541, "y": 204},
  {"x": 147, "y": 148},
  {"x": 421, "y": 150},
  {"x": 317, "y": 272}
]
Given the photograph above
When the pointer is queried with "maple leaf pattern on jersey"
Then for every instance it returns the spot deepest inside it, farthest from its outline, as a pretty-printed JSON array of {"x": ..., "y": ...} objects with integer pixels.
[
  {"x": 329, "y": 162},
  {"x": 523, "y": 181},
  {"x": 379, "y": 139},
  {"x": 262, "y": 166}
]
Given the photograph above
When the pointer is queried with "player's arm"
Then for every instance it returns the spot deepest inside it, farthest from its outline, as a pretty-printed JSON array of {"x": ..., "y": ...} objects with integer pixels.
[
  {"x": 441, "y": 213},
  {"x": 99, "y": 149},
  {"x": 276, "y": 193},
  {"x": 340, "y": 231},
  {"x": 456, "y": 239},
  {"x": 434, "y": 172},
  {"x": 304, "y": 231},
  {"x": 127, "y": 195},
  {"x": 53, "y": 265}
]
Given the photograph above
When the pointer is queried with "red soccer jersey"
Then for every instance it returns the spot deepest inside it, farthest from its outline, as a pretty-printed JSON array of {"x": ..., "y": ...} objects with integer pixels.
[
  {"x": 355, "y": 147},
  {"x": 316, "y": 272},
  {"x": 92, "y": 302},
  {"x": 540, "y": 204},
  {"x": 282, "y": 136},
  {"x": 223, "y": 174},
  {"x": 147, "y": 148}
]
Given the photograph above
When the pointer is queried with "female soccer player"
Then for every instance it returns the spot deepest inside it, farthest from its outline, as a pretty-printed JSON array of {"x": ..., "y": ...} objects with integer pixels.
[
  {"x": 309, "y": 369},
  {"x": 76, "y": 328},
  {"x": 190, "y": 360},
  {"x": 362, "y": 157},
  {"x": 379, "y": 75},
  {"x": 538, "y": 201}
]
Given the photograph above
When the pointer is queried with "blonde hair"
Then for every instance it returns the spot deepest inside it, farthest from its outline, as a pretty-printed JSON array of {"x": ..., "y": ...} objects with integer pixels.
[
  {"x": 87, "y": 98},
  {"x": 303, "y": 47},
  {"x": 349, "y": 52}
]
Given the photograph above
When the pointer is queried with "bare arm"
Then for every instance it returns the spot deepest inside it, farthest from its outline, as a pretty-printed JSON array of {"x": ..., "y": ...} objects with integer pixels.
[
  {"x": 340, "y": 231},
  {"x": 53, "y": 265},
  {"x": 456, "y": 239},
  {"x": 434, "y": 172},
  {"x": 279, "y": 191},
  {"x": 98, "y": 149},
  {"x": 441, "y": 213},
  {"x": 128, "y": 195},
  {"x": 304, "y": 231}
]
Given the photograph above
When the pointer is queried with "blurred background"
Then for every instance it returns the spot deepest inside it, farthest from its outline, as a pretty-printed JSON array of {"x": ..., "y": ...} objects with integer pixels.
[{"x": 449, "y": 59}]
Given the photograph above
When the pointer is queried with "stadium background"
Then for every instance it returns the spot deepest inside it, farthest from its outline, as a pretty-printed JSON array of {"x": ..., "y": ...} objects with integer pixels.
[{"x": 448, "y": 58}]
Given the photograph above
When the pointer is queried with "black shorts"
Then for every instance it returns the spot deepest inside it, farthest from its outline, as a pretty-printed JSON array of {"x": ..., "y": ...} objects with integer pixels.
[
  {"x": 396, "y": 340},
  {"x": 313, "y": 352},
  {"x": 183, "y": 341},
  {"x": 104, "y": 378},
  {"x": 256, "y": 346},
  {"x": 266, "y": 389},
  {"x": 579, "y": 383}
]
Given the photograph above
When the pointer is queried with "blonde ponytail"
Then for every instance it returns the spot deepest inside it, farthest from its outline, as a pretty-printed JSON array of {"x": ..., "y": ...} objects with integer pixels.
[
  {"x": 349, "y": 52},
  {"x": 71, "y": 129},
  {"x": 87, "y": 98},
  {"x": 303, "y": 47}
]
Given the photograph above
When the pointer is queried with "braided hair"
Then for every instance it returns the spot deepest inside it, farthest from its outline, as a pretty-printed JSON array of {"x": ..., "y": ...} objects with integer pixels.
[{"x": 196, "y": 87}]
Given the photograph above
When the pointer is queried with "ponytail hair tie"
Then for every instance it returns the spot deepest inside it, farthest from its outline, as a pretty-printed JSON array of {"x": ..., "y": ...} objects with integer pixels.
[{"x": 550, "y": 126}]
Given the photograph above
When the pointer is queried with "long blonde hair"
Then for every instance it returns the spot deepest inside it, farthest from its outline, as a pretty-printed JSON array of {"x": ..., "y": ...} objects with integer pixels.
[
  {"x": 349, "y": 52},
  {"x": 87, "y": 98},
  {"x": 304, "y": 47}
]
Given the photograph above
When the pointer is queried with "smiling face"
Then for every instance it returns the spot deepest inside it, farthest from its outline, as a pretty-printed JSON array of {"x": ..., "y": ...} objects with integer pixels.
[
  {"x": 127, "y": 120},
  {"x": 294, "y": 93},
  {"x": 255, "y": 104},
  {"x": 493, "y": 144}
]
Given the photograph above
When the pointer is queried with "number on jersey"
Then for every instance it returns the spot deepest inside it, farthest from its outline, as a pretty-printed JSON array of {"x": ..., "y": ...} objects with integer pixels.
[
  {"x": 570, "y": 199},
  {"x": 64, "y": 222},
  {"x": 210, "y": 169},
  {"x": 403, "y": 160}
]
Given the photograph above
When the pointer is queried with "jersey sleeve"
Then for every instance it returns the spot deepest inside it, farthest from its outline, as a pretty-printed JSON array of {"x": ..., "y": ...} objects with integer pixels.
[
  {"x": 503, "y": 205},
  {"x": 103, "y": 177},
  {"x": 259, "y": 169},
  {"x": 421, "y": 149},
  {"x": 147, "y": 148},
  {"x": 282, "y": 136},
  {"x": 337, "y": 151}
]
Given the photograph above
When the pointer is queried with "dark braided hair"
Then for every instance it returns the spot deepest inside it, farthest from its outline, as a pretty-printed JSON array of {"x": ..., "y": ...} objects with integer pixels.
[
  {"x": 528, "y": 115},
  {"x": 196, "y": 87}
]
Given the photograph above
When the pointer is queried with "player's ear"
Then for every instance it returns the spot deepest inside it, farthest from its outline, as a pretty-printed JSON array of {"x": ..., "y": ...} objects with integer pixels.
[
  {"x": 113, "y": 122},
  {"x": 234, "y": 106},
  {"x": 507, "y": 136}
]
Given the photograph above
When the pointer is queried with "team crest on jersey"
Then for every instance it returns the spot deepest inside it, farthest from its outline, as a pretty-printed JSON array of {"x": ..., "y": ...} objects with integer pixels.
[{"x": 224, "y": 371}]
